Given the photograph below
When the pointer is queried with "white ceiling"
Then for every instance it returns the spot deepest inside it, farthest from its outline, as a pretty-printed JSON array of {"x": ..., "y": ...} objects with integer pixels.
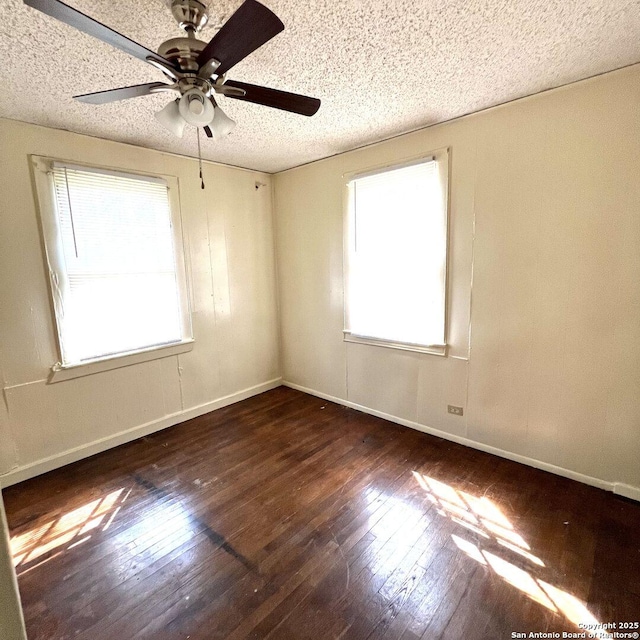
[{"x": 380, "y": 67}]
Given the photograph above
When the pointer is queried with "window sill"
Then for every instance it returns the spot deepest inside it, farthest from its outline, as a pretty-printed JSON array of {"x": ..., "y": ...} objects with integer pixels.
[
  {"x": 61, "y": 372},
  {"x": 436, "y": 349}
]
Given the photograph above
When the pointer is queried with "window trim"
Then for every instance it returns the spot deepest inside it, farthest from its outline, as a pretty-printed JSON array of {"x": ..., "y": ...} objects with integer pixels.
[
  {"x": 60, "y": 372},
  {"x": 45, "y": 204},
  {"x": 442, "y": 156},
  {"x": 433, "y": 349}
]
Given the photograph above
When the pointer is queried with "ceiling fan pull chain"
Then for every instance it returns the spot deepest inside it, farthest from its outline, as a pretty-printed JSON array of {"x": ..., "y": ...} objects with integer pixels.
[{"x": 200, "y": 158}]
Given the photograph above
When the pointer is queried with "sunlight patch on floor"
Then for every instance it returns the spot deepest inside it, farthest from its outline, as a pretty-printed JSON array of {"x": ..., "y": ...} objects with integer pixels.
[
  {"x": 484, "y": 518},
  {"x": 65, "y": 532}
]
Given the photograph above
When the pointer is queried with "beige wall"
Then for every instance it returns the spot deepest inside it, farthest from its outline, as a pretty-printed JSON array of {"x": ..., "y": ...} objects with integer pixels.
[
  {"x": 545, "y": 345},
  {"x": 544, "y": 294},
  {"x": 229, "y": 237},
  {"x": 11, "y": 622}
]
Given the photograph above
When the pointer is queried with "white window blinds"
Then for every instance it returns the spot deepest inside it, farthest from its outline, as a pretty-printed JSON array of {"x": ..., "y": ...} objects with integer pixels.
[
  {"x": 116, "y": 287},
  {"x": 397, "y": 255}
]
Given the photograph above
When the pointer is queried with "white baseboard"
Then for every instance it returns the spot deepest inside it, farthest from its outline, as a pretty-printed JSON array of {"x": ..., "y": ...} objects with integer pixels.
[
  {"x": 84, "y": 451},
  {"x": 625, "y": 490},
  {"x": 78, "y": 453}
]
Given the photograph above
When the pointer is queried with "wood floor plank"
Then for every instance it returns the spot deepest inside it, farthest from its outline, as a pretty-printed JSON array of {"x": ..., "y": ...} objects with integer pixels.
[{"x": 288, "y": 517}]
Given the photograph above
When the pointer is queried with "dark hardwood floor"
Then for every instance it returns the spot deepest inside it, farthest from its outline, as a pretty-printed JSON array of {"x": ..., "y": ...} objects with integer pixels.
[{"x": 285, "y": 516}]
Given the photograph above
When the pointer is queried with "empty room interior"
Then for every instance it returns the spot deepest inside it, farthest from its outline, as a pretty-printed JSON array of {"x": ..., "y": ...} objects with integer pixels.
[{"x": 319, "y": 320}]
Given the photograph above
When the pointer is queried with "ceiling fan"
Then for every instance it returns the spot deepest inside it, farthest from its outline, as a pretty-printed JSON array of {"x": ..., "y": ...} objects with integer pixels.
[{"x": 197, "y": 70}]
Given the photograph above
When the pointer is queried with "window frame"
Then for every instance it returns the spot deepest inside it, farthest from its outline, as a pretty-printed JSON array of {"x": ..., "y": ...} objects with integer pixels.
[
  {"x": 442, "y": 157},
  {"x": 54, "y": 263}
]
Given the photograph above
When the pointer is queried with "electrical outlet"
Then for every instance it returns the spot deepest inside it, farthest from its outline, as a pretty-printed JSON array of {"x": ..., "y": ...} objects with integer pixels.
[{"x": 457, "y": 411}]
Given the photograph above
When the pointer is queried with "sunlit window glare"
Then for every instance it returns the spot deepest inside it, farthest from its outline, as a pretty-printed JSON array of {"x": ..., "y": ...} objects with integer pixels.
[
  {"x": 397, "y": 255},
  {"x": 116, "y": 281}
]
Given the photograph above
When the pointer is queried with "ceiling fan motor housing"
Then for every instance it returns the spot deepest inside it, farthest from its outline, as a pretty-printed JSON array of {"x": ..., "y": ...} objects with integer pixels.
[
  {"x": 192, "y": 16},
  {"x": 183, "y": 51}
]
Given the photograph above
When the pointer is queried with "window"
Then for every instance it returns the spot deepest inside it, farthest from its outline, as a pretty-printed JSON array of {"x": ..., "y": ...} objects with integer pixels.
[
  {"x": 396, "y": 256},
  {"x": 114, "y": 250}
]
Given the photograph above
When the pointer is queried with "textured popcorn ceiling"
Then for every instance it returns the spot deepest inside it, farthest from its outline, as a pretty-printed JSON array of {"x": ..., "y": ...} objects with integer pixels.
[{"x": 380, "y": 68}]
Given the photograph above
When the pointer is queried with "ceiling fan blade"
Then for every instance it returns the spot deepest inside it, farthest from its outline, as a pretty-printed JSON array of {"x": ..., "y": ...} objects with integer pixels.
[
  {"x": 80, "y": 21},
  {"x": 208, "y": 132},
  {"x": 245, "y": 31},
  {"x": 123, "y": 93},
  {"x": 294, "y": 102}
]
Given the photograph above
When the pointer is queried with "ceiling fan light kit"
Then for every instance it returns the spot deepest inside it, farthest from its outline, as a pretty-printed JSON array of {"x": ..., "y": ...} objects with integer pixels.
[
  {"x": 222, "y": 124},
  {"x": 197, "y": 70},
  {"x": 169, "y": 117},
  {"x": 196, "y": 108}
]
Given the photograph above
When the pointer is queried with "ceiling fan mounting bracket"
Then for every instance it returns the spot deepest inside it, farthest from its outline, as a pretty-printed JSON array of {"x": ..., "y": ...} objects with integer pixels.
[
  {"x": 169, "y": 70},
  {"x": 208, "y": 82},
  {"x": 192, "y": 15},
  {"x": 208, "y": 69},
  {"x": 166, "y": 88}
]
